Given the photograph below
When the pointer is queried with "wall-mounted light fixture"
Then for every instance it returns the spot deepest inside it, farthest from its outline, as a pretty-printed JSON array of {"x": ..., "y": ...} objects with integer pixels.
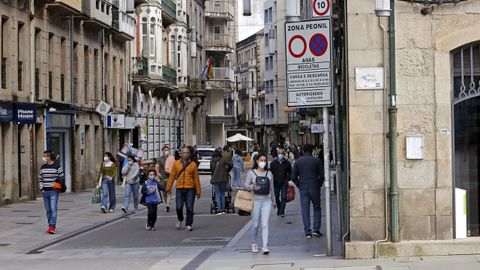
[
  {"x": 428, "y": 4},
  {"x": 382, "y": 8}
]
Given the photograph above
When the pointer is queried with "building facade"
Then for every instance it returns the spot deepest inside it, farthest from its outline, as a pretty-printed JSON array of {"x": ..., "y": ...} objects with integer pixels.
[{"x": 59, "y": 60}]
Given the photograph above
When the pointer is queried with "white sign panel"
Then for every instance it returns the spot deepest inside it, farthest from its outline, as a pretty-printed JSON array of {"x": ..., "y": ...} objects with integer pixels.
[
  {"x": 116, "y": 121},
  {"x": 103, "y": 108},
  {"x": 414, "y": 146},
  {"x": 309, "y": 63},
  {"x": 321, "y": 8},
  {"x": 369, "y": 78},
  {"x": 460, "y": 213},
  {"x": 316, "y": 128}
]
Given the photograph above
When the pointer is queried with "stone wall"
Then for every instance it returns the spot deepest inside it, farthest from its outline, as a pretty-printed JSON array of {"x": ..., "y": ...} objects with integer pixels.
[{"x": 424, "y": 107}]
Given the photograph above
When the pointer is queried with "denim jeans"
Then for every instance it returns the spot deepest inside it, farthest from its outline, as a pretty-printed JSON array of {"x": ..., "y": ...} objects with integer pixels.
[
  {"x": 261, "y": 211},
  {"x": 50, "y": 199},
  {"x": 129, "y": 189},
  {"x": 307, "y": 196},
  {"x": 236, "y": 177},
  {"x": 185, "y": 197},
  {"x": 220, "y": 189},
  {"x": 281, "y": 197},
  {"x": 108, "y": 191}
]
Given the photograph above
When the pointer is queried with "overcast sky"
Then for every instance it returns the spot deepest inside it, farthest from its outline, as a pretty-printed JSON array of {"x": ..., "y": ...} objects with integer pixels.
[{"x": 249, "y": 25}]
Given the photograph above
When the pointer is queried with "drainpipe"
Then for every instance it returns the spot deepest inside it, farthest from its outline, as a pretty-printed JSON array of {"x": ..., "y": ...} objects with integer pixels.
[
  {"x": 72, "y": 84},
  {"x": 385, "y": 151},
  {"x": 392, "y": 129}
]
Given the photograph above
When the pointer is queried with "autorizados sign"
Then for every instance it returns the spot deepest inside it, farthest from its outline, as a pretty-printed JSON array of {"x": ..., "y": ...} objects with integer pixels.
[{"x": 309, "y": 63}]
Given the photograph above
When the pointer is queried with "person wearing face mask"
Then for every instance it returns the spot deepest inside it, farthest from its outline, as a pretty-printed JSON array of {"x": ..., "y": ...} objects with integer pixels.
[
  {"x": 50, "y": 173},
  {"x": 185, "y": 174},
  {"x": 282, "y": 171},
  {"x": 308, "y": 177},
  {"x": 131, "y": 176},
  {"x": 106, "y": 176},
  {"x": 152, "y": 198},
  {"x": 165, "y": 163},
  {"x": 260, "y": 181},
  {"x": 238, "y": 167}
]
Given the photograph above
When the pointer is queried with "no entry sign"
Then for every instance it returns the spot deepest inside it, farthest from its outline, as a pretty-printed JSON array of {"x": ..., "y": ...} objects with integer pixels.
[{"x": 309, "y": 63}]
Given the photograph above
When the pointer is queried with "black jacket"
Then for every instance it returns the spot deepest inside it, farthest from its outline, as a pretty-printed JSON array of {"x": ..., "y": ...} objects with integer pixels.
[
  {"x": 282, "y": 171},
  {"x": 308, "y": 172}
]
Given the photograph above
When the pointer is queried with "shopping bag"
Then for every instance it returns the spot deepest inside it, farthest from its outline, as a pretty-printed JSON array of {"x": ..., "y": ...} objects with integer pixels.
[
  {"x": 96, "y": 195},
  {"x": 290, "y": 193},
  {"x": 244, "y": 200}
]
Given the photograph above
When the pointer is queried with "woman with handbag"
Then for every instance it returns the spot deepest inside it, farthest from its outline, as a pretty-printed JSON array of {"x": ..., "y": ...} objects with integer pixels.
[
  {"x": 260, "y": 181},
  {"x": 106, "y": 176}
]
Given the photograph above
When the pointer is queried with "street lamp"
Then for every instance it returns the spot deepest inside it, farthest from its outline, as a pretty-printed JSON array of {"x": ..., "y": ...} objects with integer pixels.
[{"x": 382, "y": 8}]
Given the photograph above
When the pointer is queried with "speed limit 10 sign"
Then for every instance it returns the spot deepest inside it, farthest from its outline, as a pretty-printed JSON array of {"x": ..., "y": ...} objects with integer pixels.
[{"x": 321, "y": 8}]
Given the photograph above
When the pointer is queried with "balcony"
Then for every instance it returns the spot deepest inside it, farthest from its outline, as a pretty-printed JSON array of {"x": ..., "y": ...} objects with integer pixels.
[
  {"x": 124, "y": 24},
  {"x": 222, "y": 9},
  {"x": 65, "y": 7},
  {"x": 243, "y": 93},
  {"x": 223, "y": 78},
  {"x": 218, "y": 42},
  {"x": 99, "y": 12},
  {"x": 169, "y": 12},
  {"x": 169, "y": 75}
]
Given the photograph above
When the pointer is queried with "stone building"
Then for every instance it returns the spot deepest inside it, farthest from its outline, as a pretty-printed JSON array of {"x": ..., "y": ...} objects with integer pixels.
[
  {"x": 59, "y": 59},
  {"x": 437, "y": 75},
  {"x": 251, "y": 94}
]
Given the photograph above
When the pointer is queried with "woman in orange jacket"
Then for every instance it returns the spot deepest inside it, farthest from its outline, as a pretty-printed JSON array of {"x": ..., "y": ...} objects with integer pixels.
[{"x": 185, "y": 173}]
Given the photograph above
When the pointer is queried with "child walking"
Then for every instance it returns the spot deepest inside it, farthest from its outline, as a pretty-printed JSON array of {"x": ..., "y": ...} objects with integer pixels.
[{"x": 152, "y": 198}]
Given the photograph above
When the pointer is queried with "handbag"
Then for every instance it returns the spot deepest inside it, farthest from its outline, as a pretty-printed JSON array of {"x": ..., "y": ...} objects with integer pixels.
[
  {"x": 96, "y": 195},
  {"x": 290, "y": 193},
  {"x": 244, "y": 200}
]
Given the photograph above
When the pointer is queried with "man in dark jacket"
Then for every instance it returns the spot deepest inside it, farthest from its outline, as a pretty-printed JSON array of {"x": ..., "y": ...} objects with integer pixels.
[
  {"x": 308, "y": 176},
  {"x": 282, "y": 171},
  {"x": 219, "y": 180}
]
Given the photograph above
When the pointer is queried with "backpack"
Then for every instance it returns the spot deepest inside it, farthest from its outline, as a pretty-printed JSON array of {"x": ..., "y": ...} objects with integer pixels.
[{"x": 263, "y": 182}]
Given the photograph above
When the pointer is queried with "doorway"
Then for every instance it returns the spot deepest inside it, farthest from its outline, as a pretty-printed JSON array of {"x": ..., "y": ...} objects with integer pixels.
[
  {"x": 58, "y": 142},
  {"x": 466, "y": 122}
]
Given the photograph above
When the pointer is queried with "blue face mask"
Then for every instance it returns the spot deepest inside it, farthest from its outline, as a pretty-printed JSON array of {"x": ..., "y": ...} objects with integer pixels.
[{"x": 152, "y": 178}]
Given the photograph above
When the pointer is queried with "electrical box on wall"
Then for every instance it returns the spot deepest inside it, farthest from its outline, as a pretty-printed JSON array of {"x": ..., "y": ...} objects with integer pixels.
[{"x": 415, "y": 146}]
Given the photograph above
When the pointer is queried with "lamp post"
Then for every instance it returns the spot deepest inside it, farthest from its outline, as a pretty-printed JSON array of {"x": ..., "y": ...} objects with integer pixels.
[{"x": 386, "y": 8}]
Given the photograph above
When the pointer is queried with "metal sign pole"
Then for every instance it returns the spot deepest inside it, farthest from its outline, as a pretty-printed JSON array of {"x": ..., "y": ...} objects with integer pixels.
[{"x": 326, "y": 166}]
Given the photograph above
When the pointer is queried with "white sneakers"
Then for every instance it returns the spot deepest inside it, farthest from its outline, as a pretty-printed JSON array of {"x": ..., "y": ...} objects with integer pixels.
[
  {"x": 254, "y": 248},
  {"x": 266, "y": 251},
  {"x": 188, "y": 228},
  {"x": 178, "y": 225}
]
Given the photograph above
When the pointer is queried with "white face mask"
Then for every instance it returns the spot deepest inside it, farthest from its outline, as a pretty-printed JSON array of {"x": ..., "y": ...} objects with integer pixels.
[
  {"x": 281, "y": 156},
  {"x": 44, "y": 160},
  {"x": 167, "y": 153},
  {"x": 262, "y": 164},
  {"x": 106, "y": 159}
]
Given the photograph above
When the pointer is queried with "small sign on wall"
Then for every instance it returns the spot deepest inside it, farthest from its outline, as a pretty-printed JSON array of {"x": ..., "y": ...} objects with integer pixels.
[
  {"x": 415, "y": 146},
  {"x": 368, "y": 78}
]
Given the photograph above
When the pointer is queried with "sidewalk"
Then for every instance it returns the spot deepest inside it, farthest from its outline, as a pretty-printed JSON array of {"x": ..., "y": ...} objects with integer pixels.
[{"x": 24, "y": 225}]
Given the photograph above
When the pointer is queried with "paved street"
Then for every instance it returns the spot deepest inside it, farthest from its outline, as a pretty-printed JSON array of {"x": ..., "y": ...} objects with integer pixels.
[{"x": 87, "y": 239}]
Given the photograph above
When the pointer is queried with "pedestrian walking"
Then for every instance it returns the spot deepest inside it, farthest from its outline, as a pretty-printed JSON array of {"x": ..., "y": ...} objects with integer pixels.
[
  {"x": 185, "y": 174},
  {"x": 106, "y": 176},
  {"x": 228, "y": 157},
  {"x": 51, "y": 173},
  {"x": 282, "y": 171},
  {"x": 238, "y": 167},
  {"x": 151, "y": 190},
  {"x": 131, "y": 177},
  {"x": 165, "y": 164},
  {"x": 260, "y": 181},
  {"x": 308, "y": 177},
  {"x": 219, "y": 180}
]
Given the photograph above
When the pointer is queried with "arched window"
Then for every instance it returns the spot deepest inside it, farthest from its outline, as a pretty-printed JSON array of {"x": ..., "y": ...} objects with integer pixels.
[{"x": 145, "y": 36}]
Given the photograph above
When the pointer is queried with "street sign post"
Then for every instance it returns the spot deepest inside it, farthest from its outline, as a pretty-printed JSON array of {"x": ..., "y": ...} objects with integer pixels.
[{"x": 309, "y": 63}]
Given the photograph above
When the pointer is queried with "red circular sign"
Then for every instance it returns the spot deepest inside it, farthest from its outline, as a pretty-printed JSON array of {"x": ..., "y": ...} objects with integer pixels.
[
  {"x": 318, "y": 44},
  {"x": 318, "y": 7},
  {"x": 297, "y": 55}
]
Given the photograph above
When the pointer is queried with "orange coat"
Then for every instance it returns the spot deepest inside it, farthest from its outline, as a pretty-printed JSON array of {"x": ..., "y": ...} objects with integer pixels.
[{"x": 189, "y": 178}]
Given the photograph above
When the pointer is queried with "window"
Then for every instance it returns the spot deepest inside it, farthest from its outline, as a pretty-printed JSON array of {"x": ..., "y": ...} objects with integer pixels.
[
  {"x": 152, "y": 47},
  {"x": 37, "y": 62},
  {"x": 95, "y": 74},
  {"x": 172, "y": 51},
  {"x": 144, "y": 36},
  {"x": 86, "y": 72},
  {"x": 63, "y": 59},
  {"x": 217, "y": 29},
  {"x": 20, "y": 54},
  {"x": 267, "y": 66},
  {"x": 51, "y": 64},
  {"x": 270, "y": 15},
  {"x": 75, "y": 89},
  {"x": 267, "y": 41},
  {"x": 3, "y": 53},
  {"x": 265, "y": 16},
  {"x": 271, "y": 62}
]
